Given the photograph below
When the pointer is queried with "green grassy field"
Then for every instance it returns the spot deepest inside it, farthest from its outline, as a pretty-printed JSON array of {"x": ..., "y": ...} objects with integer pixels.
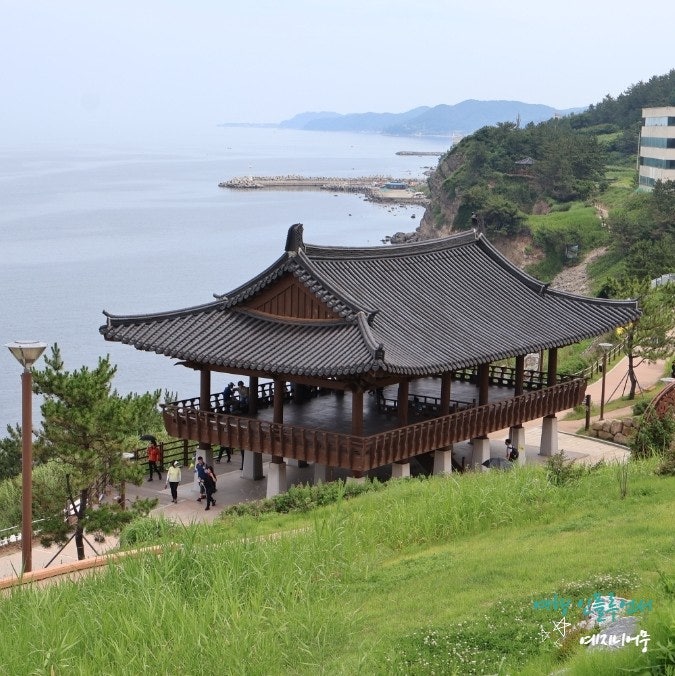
[{"x": 424, "y": 576}]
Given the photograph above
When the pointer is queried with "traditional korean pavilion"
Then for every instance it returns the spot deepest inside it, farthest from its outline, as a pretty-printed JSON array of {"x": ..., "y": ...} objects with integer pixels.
[{"x": 353, "y": 355}]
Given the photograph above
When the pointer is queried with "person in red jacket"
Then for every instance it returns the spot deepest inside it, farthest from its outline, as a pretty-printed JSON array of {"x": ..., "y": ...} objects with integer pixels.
[{"x": 153, "y": 459}]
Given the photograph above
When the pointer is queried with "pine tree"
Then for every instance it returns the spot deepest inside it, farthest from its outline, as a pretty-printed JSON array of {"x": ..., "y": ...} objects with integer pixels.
[{"x": 86, "y": 427}]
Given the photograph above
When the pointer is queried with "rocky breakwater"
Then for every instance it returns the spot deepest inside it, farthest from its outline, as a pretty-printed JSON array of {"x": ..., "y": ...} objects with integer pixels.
[
  {"x": 375, "y": 188},
  {"x": 319, "y": 182},
  {"x": 616, "y": 431}
]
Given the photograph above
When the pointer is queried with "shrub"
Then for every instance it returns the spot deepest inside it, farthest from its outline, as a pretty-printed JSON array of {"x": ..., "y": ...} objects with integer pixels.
[
  {"x": 560, "y": 470},
  {"x": 667, "y": 466},
  {"x": 654, "y": 436},
  {"x": 640, "y": 407},
  {"x": 302, "y": 498}
]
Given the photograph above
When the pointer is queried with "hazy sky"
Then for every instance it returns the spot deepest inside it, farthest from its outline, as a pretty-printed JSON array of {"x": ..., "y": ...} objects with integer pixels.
[{"x": 75, "y": 68}]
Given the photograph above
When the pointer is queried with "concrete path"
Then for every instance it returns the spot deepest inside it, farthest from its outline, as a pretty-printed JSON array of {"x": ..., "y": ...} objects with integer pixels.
[{"x": 233, "y": 489}]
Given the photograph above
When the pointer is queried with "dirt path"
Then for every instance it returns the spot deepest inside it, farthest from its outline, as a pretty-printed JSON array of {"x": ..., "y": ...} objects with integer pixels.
[{"x": 575, "y": 279}]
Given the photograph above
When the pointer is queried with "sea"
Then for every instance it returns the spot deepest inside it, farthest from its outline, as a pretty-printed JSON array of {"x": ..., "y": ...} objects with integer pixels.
[{"x": 143, "y": 226}]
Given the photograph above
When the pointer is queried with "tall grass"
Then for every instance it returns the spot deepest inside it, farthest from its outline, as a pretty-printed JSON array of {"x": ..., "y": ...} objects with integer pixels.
[{"x": 353, "y": 587}]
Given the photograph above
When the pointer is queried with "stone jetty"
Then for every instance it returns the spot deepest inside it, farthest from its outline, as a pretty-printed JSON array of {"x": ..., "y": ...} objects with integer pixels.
[
  {"x": 421, "y": 153},
  {"x": 375, "y": 188}
]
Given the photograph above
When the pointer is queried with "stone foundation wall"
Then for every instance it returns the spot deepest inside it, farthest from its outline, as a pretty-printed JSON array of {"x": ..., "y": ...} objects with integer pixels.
[{"x": 616, "y": 431}]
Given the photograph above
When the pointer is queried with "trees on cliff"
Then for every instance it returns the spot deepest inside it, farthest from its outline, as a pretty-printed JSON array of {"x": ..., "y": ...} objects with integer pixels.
[{"x": 493, "y": 181}]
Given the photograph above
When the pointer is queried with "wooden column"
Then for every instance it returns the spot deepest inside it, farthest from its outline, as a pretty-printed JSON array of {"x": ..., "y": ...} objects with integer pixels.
[
  {"x": 549, "y": 426},
  {"x": 520, "y": 374},
  {"x": 443, "y": 456},
  {"x": 446, "y": 382},
  {"x": 253, "y": 395},
  {"x": 205, "y": 405},
  {"x": 204, "y": 389},
  {"x": 552, "y": 371},
  {"x": 357, "y": 412},
  {"x": 517, "y": 431},
  {"x": 483, "y": 384},
  {"x": 402, "y": 406},
  {"x": 278, "y": 411}
]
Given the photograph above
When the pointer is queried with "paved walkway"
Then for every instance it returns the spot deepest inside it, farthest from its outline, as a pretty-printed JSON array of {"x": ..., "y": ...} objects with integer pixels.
[{"x": 233, "y": 489}]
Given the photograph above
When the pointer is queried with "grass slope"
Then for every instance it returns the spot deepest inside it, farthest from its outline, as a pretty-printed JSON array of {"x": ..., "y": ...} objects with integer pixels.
[{"x": 424, "y": 576}]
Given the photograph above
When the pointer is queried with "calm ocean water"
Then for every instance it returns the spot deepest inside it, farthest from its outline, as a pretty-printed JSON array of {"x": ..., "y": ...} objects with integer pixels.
[{"x": 146, "y": 228}]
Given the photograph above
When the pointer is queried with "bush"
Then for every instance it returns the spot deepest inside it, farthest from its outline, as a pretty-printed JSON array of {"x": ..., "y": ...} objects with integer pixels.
[
  {"x": 640, "y": 407},
  {"x": 667, "y": 466},
  {"x": 302, "y": 498},
  {"x": 560, "y": 470},
  {"x": 654, "y": 436}
]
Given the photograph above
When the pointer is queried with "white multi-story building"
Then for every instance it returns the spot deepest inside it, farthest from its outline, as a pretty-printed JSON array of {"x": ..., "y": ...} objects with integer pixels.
[{"x": 656, "y": 157}]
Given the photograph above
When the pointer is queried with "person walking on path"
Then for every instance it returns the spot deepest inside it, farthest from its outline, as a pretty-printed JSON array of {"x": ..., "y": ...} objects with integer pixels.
[
  {"x": 209, "y": 486},
  {"x": 200, "y": 468},
  {"x": 153, "y": 459},
  {"x": 224, "y": 450},
  {"x": 173, "y": 477}
]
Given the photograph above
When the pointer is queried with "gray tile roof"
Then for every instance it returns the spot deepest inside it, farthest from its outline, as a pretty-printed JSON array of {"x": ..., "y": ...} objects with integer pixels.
[{"x": 413, "y": 309}]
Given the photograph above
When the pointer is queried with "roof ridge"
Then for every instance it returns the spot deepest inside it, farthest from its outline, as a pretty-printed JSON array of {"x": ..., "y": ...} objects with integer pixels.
[
  {"x": 375, "y": 346},
  {"x": 139, "y": 318},
  {"x": 299, "y": 321},
  {"x": 392, "y": 251},
  {"x": 314, "y": 276}
]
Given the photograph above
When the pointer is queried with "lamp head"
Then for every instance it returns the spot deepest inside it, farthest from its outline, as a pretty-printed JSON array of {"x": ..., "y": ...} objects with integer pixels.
[
  {"x": 605, "y": 347},
  {"x": 27, "y": 352}
]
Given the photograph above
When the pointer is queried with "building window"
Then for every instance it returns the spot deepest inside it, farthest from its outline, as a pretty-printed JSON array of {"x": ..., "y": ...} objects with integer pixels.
[
  {"x": 661, "y": 121},
  {"x": 657, "y": 142}
]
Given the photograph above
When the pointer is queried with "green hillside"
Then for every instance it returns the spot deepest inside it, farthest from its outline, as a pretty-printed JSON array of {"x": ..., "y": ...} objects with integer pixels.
[
  {"x": 533, "y": 180},
  {"x": 435, "y": 576}
]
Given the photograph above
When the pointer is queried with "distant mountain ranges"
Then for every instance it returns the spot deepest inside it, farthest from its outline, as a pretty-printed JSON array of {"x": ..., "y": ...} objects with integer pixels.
[{"x": 442, "y": 120}]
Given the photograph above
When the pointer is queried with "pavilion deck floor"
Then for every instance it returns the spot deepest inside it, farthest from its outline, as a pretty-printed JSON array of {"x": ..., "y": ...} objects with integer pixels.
[{"x": 334, "y": 411}]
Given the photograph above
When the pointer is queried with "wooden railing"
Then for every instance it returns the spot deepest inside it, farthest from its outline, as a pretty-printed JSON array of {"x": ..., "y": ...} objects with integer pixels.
[{"x": 334, "y": 449}]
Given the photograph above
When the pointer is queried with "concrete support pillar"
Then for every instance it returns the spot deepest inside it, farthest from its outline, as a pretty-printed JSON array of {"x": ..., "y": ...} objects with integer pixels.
[
  {"x": 400, "y": 470},
  {"x": 480, "y": 452},
  {"x": 517, "y": 436},
  {"x": 442, "y": 461},
  {"x": 319, "y": 473},
  {"x": 549, "y": 436},
  {"x": 253, "y": 466},
  {"x": 276, "y": 479}
]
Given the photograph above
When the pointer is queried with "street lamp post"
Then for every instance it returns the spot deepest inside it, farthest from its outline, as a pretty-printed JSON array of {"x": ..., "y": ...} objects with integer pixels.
[
  {"x": 27, "y": 353},
  {"x": 605, "y": 347}
]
